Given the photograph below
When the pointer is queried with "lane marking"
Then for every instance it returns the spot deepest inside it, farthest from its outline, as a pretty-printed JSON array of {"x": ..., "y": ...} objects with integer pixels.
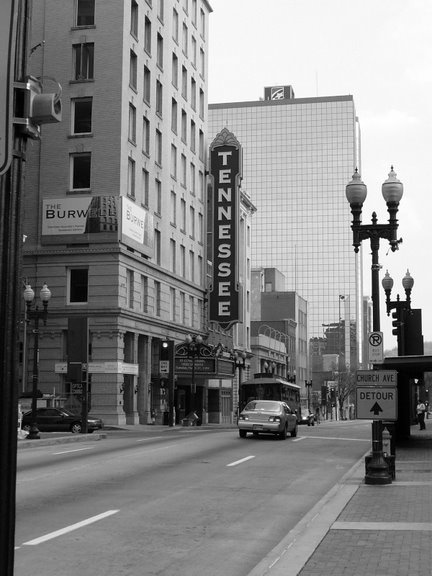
[
  {"x": 299, "y": 438},
  {"x": 152, "y": 438},
  {"x": 70, "y": 528},
  {"x": 336, "y": 438},
  {"x": 241, "y": 461},
  {"x": 412, "y": 526},
  {"x": 75, "y": 450}
]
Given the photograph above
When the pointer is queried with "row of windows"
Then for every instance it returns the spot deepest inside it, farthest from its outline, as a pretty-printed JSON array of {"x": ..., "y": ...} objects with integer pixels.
[{"x": 150, "y": 301}]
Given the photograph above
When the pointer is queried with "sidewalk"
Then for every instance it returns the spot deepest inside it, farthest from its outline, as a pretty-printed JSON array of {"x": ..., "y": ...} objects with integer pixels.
[{"x": 359, "y": 529}]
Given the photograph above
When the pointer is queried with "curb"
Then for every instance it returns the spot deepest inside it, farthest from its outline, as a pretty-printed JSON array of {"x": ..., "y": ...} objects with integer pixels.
[{"x": 25, "y": 444}]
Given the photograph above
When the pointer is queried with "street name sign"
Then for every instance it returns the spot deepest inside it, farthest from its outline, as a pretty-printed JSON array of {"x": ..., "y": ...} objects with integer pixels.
[
  {"x": 376, "y": 377},
  {"x": 376, "y": 347},
  {"x": 376, "y": 402}
]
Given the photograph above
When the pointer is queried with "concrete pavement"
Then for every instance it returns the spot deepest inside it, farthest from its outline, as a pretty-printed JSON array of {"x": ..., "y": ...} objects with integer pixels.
[
  {"x": 359, "y": 529},
  {"x": 355, "y": 529}
]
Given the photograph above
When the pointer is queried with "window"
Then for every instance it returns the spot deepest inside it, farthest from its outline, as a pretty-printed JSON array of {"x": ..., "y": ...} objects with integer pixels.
[
  {"x": 78, "y": 285},
  {"x": 185, "y": 39},
  {"x": 147, "y": 35},
  {"x": 193, "y": 136},
  {"x": 172, "y": 304},
  {"x": 174, "y": 115},
  {"x": 145, "y": 187},
  {"x": 132, "y": 124},
  {"x": 134, "y": 19},
  {"x": 159, "y": 51},
  {"x": 158, "y": 147},
  {"x": 174, "y": 75},
  {"x": 144, "y": 294},
  {"x": 131, "y": 178},
  {"x": 146, "y": 136},
  {"x": 175, "y": 25},
  {"x": 84, "y": 61},
  {"x": 157, "y": 246},
  {"x": 183, "y": 170},
  {"x": 173, "y": 208},
  {"x": 182, "y": 261},
  {"x": 129, "y": 288},
  {"x": 184, "y": 127},
  {"x": 147, "y": 85},
  {"x": 202, "y": 23},
  {"x": 158, "y": 191},
  {"x": 82, "y": 115},
  {"x": 192, "y": 178},
  {"x": 160, "y": 9},
  {"x": 201, "y": 145},
  {"x": 192, "y": 222},
  {"x": 193, "y": 93},
  {"x": 202, "y": 63},
  {"x": 85, "y": 13},
  {"x": 194, "y": 12},
  {"x": 191, "y": 266},
  {"x": 184, "y": 83},
  {"x": 133, "y": 70},
  {"x": 157, "y": 297},
  {"x": 200, "y": 228},
  {"x": 159, "y": 98},
  {"x": 80, "y": 171},
  {"x": 191, "y": 311},
  {"x": 194, "y": 52},
  {"x": 183, "y": 215},
  {"x": 201, "y": 103},
  {"x": 173, "y": 255},
  {"x": 200, "y": 185},
  {"x": 173, "y": 161},
  {"x": 200, "y": 270},
  {"x": 182, "y": 307}
]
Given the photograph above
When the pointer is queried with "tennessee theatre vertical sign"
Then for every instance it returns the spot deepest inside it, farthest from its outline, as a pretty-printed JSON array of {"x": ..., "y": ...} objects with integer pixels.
[{"x": 225, "y": 169}]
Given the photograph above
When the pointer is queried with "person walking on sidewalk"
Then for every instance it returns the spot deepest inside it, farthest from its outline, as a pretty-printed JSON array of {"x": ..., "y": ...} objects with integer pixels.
[{"x": 421, "y": 408}]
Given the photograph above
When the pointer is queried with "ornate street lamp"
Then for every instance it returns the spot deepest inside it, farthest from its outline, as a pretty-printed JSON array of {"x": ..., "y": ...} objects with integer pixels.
[
  {"x": 239, "y": 358},
  {"x": 193, "y": 346},
  {"x": 402, "y": 307},
  {"x": 356, "y": 192},
  {"x": 36, "y": 315},
  {"x": 308, "y": 384}
]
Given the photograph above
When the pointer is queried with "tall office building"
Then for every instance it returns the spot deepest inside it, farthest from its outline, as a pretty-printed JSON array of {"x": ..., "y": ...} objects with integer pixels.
[
  {"x": 299, "y": 154},
  {"x": 115, "y": 204}
]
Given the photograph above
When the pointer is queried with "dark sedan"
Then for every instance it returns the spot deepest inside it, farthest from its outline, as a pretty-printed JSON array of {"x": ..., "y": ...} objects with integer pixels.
[{"x": 59, "y": 420}]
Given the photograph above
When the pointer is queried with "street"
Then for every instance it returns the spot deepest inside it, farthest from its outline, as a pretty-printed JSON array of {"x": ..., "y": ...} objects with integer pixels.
[{"x": 179, "y": 501}]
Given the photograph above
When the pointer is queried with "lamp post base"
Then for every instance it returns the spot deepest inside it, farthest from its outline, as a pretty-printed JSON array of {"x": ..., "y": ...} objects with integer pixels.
[{"x": 377, "y": 470}]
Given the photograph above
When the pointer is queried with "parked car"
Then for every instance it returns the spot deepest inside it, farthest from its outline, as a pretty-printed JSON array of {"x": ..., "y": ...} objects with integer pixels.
[
  {"x": 307, "y": 418},
  {"x": 59, "y": 420},
  {"x": 267, "y": 417}
]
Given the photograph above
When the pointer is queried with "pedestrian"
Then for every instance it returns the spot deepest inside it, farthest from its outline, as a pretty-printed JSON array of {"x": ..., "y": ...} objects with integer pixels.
[
  {"x": 317, "y": 415},
  {"x": 421, "y": 409}
]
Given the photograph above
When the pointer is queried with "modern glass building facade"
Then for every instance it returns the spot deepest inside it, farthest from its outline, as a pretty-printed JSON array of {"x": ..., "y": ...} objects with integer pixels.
[{"x": 299, "y": 155}]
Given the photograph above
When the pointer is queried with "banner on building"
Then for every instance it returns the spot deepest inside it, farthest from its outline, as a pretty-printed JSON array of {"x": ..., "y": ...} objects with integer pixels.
[
  {"x": 79, "y": 215},
  {"x": 225, "y": 170}
]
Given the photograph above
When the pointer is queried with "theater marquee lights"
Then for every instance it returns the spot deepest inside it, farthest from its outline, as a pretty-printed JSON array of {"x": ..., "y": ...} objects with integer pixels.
[{"x": 225, "y": 170}]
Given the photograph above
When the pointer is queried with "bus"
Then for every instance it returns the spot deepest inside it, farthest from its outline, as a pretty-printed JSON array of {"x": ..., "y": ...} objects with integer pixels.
[{"x": 266, "y": 386}]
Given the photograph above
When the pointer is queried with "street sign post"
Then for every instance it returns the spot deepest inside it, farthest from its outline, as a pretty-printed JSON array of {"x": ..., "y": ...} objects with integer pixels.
[
  {"x": 7, "y": 47},
  {"x": 376, "y": 347}
]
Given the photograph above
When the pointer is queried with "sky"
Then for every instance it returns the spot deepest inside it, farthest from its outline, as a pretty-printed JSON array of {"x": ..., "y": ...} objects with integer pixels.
[{"x": 380, "y": 52}]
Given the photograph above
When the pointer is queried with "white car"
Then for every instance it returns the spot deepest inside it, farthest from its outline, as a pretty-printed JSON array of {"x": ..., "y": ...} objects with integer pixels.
[{"x": 267, "y": 417}]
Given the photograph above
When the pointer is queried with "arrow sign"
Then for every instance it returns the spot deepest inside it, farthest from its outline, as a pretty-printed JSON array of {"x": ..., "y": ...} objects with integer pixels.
[
  {"x": 376, "y": 402},
  {"x": 376, "y": 409}
]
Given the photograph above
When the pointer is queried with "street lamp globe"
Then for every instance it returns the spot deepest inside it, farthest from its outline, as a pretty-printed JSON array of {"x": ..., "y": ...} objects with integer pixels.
[
  {"x": 28, "y": 294},
  {"x": 392, "y": 188},
  {"x": 356, "y": 190},
  {"x": 45, "y": 293},
  {"x": 387, "y": 282},
  {"x": 407, "y": 282}
]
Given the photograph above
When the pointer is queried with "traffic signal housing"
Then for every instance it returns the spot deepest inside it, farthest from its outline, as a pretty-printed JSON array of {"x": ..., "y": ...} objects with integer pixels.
[{"x": 396, "y": 323}]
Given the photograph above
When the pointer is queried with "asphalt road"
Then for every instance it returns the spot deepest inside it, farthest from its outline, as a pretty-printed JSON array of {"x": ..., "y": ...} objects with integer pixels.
[{"x": 183, "y": 502}]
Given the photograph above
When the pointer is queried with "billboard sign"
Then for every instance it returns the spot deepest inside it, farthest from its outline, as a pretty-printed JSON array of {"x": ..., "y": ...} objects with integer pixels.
[
  {"x": 79, "y": 215},
  {"x": 225, "y": 170}
]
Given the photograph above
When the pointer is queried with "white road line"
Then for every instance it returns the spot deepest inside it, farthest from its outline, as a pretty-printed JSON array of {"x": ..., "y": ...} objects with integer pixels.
[
  {"x": 151, "y": 438},
  {"x": 336, "y": 438},
  {"x": 299, "y": 438},
  {"x": 240, "y": 461},
  {"x": 75, "y": 450},
  {"x": 70, "y": 528}
]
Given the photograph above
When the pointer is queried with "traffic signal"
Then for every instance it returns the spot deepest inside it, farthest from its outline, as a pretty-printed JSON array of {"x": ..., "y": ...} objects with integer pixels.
[
  {"x": 164, "y": 350},
  {"x": 396, "y": 323},
  {"x": 166, "y": 359}
]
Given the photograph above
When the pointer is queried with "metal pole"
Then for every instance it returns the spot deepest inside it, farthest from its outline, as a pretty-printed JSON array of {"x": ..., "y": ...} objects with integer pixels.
[{"x": 34, "y": 431}]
